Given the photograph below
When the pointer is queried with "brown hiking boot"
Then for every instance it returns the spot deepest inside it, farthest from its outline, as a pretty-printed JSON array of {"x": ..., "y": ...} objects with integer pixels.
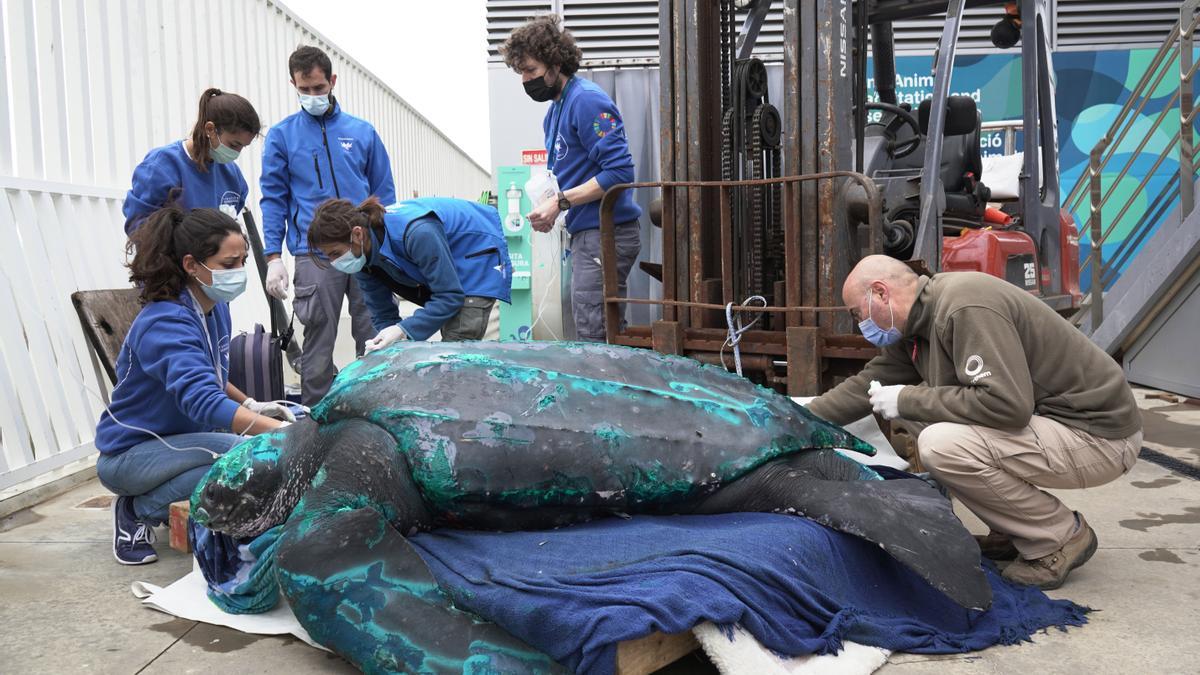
[
  {"x": 1049, "y": 572},
  {"x": 996, "y": 546}
]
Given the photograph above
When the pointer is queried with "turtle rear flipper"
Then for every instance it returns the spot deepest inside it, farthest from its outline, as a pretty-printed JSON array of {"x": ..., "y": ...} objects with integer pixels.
[{"x": 908, "y": 518}]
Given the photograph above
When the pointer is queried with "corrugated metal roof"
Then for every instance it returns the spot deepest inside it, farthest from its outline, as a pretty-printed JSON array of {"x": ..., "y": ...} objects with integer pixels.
[{"x": 618, "y": 30}]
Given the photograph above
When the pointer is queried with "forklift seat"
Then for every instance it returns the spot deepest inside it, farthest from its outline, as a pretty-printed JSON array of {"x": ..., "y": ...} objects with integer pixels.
[{"x": 961, "y": 153}]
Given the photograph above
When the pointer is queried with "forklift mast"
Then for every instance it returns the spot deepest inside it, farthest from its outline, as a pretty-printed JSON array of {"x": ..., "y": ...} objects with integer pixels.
[{"x": 769, "y": 198}]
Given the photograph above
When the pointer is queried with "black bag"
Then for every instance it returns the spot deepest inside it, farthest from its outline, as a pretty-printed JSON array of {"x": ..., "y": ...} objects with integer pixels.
[
  {"x": 256, "y": 364},
  {"x": 256, "y": 359}
]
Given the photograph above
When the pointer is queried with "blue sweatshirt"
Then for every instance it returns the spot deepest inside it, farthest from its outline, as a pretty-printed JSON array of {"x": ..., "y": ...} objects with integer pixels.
[
  {"x": 585, "y": 139},
  {"x": 307, "y": 160},
  {"x": 452, "y": 246},
  {"x": 170, "y": 167},
  {"x": 167, "y": 378}
]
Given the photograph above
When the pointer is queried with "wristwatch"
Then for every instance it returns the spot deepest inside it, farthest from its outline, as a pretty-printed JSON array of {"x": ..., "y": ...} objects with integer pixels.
[{"x": 563, "y": 203}]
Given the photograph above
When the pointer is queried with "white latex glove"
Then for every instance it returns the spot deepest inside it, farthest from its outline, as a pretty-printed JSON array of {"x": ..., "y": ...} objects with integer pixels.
[
  {"x": 268, "y": 409},
  {"x": 386, "y": 337},
  {"x": 885, "y": 400},
  {"x": 277, "y": 278}
]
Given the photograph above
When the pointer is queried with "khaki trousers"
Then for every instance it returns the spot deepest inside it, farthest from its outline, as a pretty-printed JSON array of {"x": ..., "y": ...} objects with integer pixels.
[{"x": 997, "y": 474}]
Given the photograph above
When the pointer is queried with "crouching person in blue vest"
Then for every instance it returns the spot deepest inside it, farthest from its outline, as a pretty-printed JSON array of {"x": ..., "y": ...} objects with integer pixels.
[
  {"x": 447, "y": 255},
  {"x": 173, "y": 411}
]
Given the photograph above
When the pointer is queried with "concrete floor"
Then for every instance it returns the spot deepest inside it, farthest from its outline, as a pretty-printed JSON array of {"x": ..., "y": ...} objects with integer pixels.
[{"x": 65, "y": 605}]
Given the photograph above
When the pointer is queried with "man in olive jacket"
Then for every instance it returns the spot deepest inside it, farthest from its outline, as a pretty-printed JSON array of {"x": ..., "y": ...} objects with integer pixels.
[{"x": 1011, "y": 396}]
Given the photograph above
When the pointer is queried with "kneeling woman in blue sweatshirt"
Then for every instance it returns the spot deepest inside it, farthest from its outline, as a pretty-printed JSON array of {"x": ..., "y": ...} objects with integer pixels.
[
  {"x": 173, "y": 410},
  {"x": 199, "y": 172},
  {"x": 448, "y": 255}
]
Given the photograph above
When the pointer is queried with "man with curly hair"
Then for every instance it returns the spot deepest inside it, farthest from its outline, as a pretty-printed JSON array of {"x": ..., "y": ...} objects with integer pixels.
[{"x": 587, "y": 152}]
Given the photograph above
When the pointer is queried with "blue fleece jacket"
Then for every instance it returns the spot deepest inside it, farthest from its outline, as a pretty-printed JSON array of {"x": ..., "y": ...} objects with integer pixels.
[
  {"x": 454, "y": 247},
  {"x": 167, "y": 378},
  {"x": 170, "y": 167},
  {"x": 585, "y": 139},
  {"x": 307, "y": 160}
]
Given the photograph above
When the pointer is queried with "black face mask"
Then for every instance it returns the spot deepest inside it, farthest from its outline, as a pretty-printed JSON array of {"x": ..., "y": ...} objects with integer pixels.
[
  {"x": 538, "y": 90},
  {"x": 1006, "y": 33}
]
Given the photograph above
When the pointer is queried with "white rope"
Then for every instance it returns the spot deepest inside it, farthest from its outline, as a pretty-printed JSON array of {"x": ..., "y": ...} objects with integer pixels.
[{"x": 736, "y": 329}]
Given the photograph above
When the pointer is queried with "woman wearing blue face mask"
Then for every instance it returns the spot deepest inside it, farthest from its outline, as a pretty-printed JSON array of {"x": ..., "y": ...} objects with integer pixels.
[
  {"x": 173, "y": 410},
  {"x": 448, "y": 255},
  {"x": 199, "y": 171}
]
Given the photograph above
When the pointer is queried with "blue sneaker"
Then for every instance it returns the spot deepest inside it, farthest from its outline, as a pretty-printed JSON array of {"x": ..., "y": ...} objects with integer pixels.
[{"x": 132, "y": 538}]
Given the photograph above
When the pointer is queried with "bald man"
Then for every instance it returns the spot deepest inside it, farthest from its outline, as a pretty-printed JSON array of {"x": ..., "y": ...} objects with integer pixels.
[{"x": 1011, "y": 396}]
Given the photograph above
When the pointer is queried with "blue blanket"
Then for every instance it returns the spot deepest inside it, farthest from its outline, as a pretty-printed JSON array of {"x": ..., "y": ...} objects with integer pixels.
[
  {"x": 574, "y": 593},
  {"x": 797, "y": 586}
]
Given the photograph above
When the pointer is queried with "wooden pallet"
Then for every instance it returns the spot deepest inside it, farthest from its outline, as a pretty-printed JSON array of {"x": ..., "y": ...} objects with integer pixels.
[{"x": 634, "y": 657}]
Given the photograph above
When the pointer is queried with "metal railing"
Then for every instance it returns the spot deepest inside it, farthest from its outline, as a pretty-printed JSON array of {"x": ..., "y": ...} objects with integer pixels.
[
  {"x": 1090, "y": 190},
  {"x": 1008, "y": 129}
]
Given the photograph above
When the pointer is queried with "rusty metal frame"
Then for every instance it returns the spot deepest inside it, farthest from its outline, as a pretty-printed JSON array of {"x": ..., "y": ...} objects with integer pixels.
[{"x": 802, "y": 345}]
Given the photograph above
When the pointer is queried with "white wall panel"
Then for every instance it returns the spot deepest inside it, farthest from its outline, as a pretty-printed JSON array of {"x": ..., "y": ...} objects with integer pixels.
[{"x": 89, "y": 86}]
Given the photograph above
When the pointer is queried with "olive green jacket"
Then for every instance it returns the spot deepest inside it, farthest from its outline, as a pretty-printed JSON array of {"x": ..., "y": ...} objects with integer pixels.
[{"x": 982, "y": 351}]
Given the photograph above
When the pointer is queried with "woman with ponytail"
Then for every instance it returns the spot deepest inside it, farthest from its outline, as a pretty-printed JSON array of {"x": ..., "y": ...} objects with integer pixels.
[
  {"x": 448, "y": 255},
  {"x": 199, "y": 171},
  {"x": 173, "y": 411}
]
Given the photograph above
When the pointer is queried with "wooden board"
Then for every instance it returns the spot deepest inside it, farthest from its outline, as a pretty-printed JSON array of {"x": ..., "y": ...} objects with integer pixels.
[
  {"x": 657, "y": 650},
  {"x": 177, "y": 521}
]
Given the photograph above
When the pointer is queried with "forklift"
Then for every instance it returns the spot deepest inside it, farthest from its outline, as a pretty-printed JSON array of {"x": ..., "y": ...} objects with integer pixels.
[
  {"x": 775, "y": 195},
  {"x": 941, "y": 222}
]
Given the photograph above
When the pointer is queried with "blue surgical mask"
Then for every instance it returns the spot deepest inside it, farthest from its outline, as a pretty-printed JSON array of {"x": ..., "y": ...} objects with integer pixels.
[
  {"x": 348, "y": 263},
  {"x": 223, "y": 154},
  {"x": 316, "y": 106},
  {"x": 226, "y": 284},
  {"x": 875, "y": 335}
]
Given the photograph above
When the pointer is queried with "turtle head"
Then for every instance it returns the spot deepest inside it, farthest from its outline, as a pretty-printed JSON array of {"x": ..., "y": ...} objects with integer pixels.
[{"x": 255, "y": 485}]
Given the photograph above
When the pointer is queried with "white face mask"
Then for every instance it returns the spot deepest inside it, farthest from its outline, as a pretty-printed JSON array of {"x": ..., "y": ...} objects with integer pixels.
[{"x": 316, "y": 106}]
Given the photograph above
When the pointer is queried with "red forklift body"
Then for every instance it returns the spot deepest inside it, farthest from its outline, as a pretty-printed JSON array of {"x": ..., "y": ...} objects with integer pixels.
[{"x": 1007, "y": 254}]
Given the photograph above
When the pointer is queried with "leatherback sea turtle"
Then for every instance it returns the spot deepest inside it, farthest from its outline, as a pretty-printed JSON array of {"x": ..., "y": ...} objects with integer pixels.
[{"x": 514, "y": 436}]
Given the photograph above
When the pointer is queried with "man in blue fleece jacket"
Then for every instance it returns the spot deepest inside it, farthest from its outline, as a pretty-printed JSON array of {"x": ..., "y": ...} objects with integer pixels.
[
  {"x": 588, "y": 153},
  {"x": 318, "y": 153}
]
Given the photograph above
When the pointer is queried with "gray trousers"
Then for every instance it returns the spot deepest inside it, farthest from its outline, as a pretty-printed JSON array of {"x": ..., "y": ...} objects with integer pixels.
[
  {"x": 318, "y": 305},
  {"x": 587, "y": 277}
]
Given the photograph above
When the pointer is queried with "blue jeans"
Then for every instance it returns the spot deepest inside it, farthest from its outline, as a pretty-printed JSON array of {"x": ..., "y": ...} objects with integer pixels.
[{"x": 156, "y": 475}]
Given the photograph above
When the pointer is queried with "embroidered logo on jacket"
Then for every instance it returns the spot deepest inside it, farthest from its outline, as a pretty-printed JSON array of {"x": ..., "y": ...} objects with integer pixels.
[
  {"x": 347, "y": 143},
  {"x": 229, "y": 203},
  {"x": 560, "y": 147},
  {"x": 974, "y": 368}
]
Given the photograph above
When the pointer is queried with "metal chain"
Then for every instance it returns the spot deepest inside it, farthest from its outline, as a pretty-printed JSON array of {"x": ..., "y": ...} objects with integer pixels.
[{"x": 756, "y": 224}]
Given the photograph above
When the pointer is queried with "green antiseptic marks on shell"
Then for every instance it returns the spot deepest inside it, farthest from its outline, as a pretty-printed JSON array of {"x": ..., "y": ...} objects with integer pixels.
[
  {"x": 657, "y": 484},
  {"x": 397, "y": 420},
  {"x": 739, "y": 466},
  {"x": 235, "y": 467},
  {"x": 828, "y": 437},
  {"x": 610, "y": 435},
  {"x": 433, "y": 469},
  {"x": 547, "y": 399},
  {"x": 557, "y": 490},
  {"x": 498, "y": 428}
]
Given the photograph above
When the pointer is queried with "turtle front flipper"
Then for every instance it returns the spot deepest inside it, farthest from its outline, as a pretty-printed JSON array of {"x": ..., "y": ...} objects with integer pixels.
[
  {"x": 908, "y": 518},
  {"x": 359, "y": 588}
]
